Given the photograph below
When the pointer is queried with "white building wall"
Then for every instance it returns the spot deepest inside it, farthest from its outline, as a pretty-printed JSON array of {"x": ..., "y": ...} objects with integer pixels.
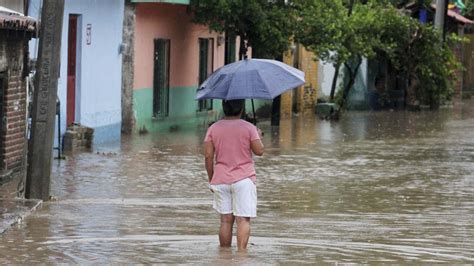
[
  {"x": 99, "y": 65},
  {"x": 325, "y": 76},
  {"x": 15, "y": 5}
]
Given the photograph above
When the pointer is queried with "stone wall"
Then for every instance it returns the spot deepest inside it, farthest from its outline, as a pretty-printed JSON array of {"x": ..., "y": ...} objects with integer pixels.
[{"x": 77, "y": 137}]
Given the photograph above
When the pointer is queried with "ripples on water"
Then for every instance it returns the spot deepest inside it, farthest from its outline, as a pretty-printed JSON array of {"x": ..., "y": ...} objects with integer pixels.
[{"x": 375, "y": 187}]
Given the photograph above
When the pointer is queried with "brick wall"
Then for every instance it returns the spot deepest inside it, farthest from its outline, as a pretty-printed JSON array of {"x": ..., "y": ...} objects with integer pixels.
[
  {"x": 14, "y": 118},
  {"x": 13, "y": 142}
]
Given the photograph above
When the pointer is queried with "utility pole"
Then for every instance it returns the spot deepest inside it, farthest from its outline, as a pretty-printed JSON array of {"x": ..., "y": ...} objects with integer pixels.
[
  {"x": 440, "y": 15},
  {"x": 40, "y": 146}
]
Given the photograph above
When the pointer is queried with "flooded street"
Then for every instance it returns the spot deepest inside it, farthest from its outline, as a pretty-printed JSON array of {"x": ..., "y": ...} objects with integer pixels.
[{"x": 373, "y": 187}]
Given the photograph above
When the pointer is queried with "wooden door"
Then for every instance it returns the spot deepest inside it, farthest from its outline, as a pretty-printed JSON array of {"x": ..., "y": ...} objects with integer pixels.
[{"x": 71, "y": 70}]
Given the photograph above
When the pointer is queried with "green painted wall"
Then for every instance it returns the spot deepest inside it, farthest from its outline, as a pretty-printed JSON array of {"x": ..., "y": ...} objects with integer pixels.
[{"x": 182, "y": 110}]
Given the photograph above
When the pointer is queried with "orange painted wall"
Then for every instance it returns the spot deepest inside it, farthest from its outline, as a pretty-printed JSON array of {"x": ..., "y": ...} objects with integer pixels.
[
  {"x": 306, "y": 95},
  {"x": 169, "y": 21}
]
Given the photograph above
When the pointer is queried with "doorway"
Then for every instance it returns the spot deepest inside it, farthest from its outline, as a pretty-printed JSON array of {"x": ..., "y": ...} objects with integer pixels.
[
  {"x": 72, "y": 69},
  {"x": 161, "y": 80},
  {"x": 206, "y": 67}
]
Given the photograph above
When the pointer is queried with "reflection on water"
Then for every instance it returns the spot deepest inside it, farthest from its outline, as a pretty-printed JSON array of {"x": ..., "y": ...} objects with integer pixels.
[{"x": 374, "y": 187}]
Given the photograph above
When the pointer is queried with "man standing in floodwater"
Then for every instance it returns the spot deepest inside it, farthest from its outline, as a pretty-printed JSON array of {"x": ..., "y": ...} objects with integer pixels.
[{"x": 228, "y": 145}]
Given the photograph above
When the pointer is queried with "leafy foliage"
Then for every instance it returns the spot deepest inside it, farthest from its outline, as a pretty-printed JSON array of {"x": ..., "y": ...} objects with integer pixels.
[
  {"x": 469, "y": 10},
  {"x": 265, "y": 25},
  {"x": 415, "y": 50},
  {"x": 373, "y": 29},
  {"x": 341, "y": 32}
]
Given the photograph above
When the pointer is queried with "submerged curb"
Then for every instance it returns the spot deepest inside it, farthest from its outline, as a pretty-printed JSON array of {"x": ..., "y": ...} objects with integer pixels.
[{"x": 13, "y": 211}]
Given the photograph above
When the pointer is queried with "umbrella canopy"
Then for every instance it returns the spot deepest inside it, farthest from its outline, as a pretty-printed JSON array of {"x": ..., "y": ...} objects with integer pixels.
[{"x": 250, "y": 79}]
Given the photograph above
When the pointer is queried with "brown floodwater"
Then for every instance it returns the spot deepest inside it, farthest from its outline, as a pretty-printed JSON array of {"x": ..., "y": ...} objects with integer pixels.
[{"x": 373, "y": 187}]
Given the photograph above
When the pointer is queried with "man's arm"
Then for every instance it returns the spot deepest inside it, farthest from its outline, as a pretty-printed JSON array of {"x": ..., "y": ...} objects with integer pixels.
[{"x": 209, "y": 158}]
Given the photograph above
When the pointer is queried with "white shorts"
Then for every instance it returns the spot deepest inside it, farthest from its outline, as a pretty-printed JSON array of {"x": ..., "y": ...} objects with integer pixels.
[{"x": 240, "y": 198}]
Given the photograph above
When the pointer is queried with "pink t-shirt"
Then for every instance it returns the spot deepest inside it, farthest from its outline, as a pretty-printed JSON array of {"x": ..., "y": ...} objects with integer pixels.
[{"x": 233, "y": 154}]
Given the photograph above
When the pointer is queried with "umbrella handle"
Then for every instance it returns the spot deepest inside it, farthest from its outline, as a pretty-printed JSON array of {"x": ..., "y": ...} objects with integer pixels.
[{"x": 254, "y": 117}]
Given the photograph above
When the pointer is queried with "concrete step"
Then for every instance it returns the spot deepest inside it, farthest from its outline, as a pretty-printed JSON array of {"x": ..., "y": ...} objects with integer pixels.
[{"x": 13, "y": 211}]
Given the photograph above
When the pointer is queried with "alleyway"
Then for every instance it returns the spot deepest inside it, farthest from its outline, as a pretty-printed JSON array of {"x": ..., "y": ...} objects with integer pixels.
[{"x": 374, "y": 187}]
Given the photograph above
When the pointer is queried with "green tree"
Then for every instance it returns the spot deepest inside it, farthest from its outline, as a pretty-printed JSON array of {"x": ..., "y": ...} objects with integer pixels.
[
  {"x": 416, "y": 53},
  {"x": 266, "y": 26},
  {"x": 468, "y": 11},
  {"x": 339, "y": 32},
  {"x": 343, "y": 32}
]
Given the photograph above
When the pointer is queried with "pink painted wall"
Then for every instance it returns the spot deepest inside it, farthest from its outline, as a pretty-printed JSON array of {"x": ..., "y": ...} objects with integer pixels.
[{"x": 168, "y": 21}]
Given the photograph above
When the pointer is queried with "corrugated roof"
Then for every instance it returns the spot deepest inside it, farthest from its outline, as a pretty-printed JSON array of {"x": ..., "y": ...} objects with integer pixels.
[
  {"x": 459, "y": 17},
  {"x": 456, "y": 16},
  {"x": 12, "y": 20}
]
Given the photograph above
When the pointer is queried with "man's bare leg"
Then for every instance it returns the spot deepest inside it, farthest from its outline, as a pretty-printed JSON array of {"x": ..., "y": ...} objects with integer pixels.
[
  {"x": 225, "y": 231},
  {"x": 243, "y": 232}
]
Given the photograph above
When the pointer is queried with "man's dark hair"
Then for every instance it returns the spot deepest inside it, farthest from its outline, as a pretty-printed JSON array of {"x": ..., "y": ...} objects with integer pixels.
[{"x": 232, "y": 107}]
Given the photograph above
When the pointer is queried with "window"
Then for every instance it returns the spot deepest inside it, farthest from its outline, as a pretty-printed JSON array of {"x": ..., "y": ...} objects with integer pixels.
[
  {"x": 161, "y": 73},
  {"x": 229, "y": 49},
  {"x": 206, "y": 67}
]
